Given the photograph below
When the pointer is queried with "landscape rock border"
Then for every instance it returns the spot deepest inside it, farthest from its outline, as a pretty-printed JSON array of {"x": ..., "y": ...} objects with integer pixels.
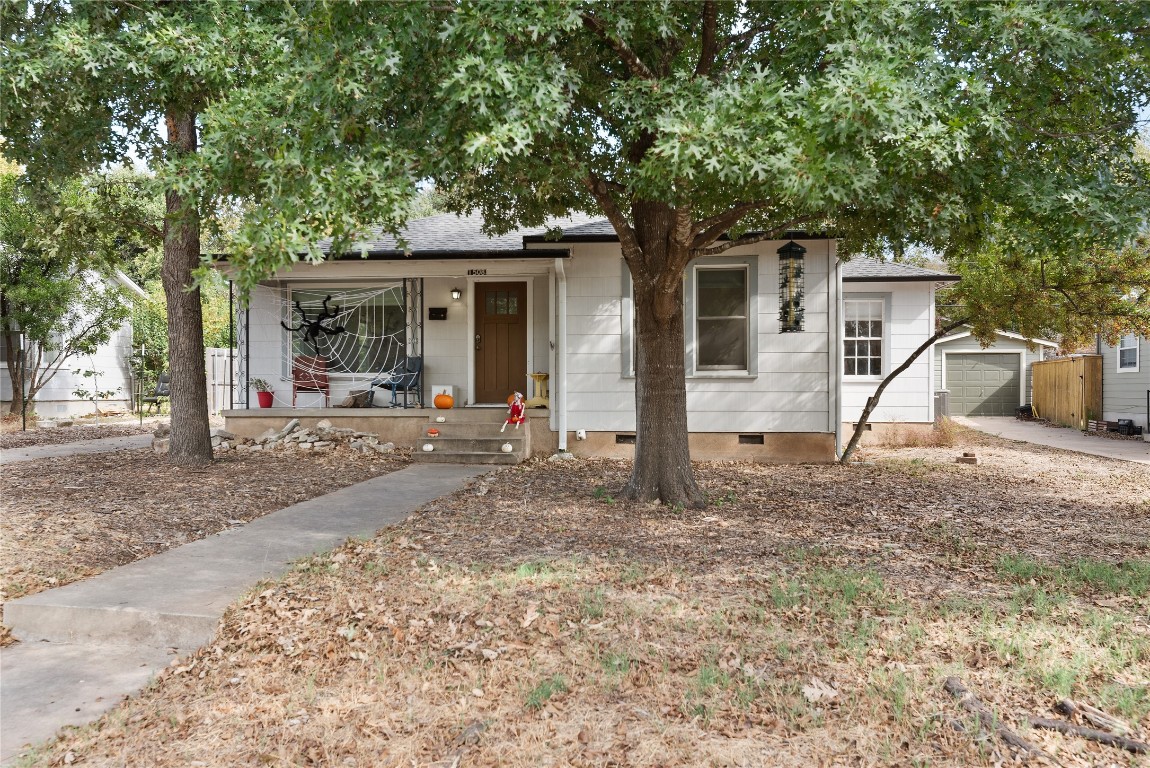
[{"x": 292, "y": 437}]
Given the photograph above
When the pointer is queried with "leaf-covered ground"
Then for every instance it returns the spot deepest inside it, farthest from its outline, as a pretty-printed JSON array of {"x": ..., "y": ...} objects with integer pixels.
[
  {"x": 808, "y": 616},
  {"x": 66, "y": 518},
  {"x": 12, "y": 436}
]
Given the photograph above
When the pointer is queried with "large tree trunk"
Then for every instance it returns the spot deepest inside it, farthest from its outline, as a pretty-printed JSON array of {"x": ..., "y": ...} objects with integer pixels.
[
  {"x": 662, "y": 469},
  {"x": 191, "y": 442}
]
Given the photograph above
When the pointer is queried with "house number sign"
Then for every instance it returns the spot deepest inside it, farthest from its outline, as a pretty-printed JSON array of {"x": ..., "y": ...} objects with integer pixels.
[{"x": 476, "y": 272}]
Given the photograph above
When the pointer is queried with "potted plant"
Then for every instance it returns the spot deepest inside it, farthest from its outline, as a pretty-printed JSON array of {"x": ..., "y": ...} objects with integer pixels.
[{"x": 263, "y": 392}]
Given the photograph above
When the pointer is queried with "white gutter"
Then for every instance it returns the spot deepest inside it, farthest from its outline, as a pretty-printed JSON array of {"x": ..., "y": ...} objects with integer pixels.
[
  {"x": 130, "y": 284},
  {"x": 561, "y": 356}
]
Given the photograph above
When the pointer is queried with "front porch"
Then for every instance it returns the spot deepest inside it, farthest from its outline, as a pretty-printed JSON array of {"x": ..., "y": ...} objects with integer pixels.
[{"x": 406, "y": 427}]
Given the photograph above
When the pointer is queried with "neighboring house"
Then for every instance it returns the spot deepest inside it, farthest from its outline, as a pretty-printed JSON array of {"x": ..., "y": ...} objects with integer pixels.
[
  {"x": 482, "y": 313},
  {"x": 111, "y": 360},
  {"x": 888, "y": 312},
  {"x": 990, "y": 381},
  {"x": 1126, "y": 380}
]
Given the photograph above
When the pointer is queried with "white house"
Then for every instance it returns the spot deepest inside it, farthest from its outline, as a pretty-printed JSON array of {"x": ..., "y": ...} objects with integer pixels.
[
  {"x": 111, "y": 361},
  {"x": 478, "y": 315}
]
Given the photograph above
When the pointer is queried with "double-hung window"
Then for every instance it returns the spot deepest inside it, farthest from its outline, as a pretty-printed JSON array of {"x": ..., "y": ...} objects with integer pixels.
[
  {"x": 863, "y": 337},
  {"x": 1128, "y": 353},
  {"x": 722, "y": 311}
]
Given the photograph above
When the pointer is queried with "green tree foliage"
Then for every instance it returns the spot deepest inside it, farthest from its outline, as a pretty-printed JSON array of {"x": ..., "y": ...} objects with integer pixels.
[
  {"x": 58, "y": 283},
  {"x": 84, "y": 83},
  {"x": 1065, "y": 290}
]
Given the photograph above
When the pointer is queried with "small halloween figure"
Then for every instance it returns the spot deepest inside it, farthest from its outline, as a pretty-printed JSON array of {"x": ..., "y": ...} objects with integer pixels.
[{"x": 515, "y": 412}]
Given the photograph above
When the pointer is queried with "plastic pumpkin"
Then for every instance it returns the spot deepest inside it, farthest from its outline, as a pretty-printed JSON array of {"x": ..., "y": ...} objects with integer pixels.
[
  {"x": 428, "y": 447},
  {"x": 433, "y": 432},
  {"x": 443, "y": 400},
  {"x": 506, "y": 448}
]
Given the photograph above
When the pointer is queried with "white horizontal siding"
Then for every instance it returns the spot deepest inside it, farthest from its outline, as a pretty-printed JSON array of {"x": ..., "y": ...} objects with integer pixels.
[
  {"x": 790, "y": 392},
  {"x": 909, "y": 398}
]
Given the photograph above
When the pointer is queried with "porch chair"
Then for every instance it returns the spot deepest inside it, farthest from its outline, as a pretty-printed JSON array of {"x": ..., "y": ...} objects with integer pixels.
[
  {"x": 309, "y": 374},
  {"x": 407, "y": 377},
  {"x": 160, "y": 394}
]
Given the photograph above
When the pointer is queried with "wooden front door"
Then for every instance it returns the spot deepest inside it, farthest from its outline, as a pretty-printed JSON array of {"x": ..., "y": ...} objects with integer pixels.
[{"x": 500, "y": 341}]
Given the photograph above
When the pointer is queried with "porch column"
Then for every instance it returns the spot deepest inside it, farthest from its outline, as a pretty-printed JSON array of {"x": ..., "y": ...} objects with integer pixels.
[{"x": 559, "y": 391}]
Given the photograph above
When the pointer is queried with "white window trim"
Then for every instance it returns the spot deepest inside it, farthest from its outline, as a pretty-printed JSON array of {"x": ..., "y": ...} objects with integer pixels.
[
  {"x": 627, "y": 324},
  {"x": 885, "y": 298},
  {"x": 1137, "y": 354},
  {"x": 690, "y": 319}
]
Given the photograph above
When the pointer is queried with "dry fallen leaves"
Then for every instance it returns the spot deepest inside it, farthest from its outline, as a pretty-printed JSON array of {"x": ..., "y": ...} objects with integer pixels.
[{"x": 805, "y": 618}]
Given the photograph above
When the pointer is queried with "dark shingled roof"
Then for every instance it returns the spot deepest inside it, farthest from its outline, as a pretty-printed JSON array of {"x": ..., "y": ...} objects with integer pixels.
[
  {"x": 863, "y": 269},
  {"x": 601, "y": 231},
  {"x": 447, "y": 235}
]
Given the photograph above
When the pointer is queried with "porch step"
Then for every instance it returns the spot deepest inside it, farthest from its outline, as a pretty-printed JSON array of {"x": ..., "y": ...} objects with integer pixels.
[
  {"x": 472, "y": 436},
  {"x": 477, "y": 430},
  {"x": 466, "y": 457},
  {"x": 483, "y": 443},
  {"x": 481, "y": 415}
]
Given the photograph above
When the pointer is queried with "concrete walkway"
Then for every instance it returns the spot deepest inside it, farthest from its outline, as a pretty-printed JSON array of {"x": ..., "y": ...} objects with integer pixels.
[
  {"x": 102, "y": 445},
  {"x": 87, "y": 645},
  {"x": 1059, "y": 437}
]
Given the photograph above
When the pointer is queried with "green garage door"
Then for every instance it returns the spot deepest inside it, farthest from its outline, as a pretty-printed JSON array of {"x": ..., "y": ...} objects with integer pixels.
[{"x": 983, "y": 384}]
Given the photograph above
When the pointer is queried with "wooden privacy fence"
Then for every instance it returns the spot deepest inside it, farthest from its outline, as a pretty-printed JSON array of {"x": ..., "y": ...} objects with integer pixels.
[{"x": 1068, "y": 391}]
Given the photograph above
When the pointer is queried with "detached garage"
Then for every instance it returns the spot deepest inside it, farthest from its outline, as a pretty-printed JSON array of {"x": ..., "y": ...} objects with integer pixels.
[{"x": 986, "y": 382}]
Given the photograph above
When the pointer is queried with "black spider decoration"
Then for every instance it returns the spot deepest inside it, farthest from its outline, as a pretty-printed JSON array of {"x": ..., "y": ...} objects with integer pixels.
[{"x": 313, "y": 328}]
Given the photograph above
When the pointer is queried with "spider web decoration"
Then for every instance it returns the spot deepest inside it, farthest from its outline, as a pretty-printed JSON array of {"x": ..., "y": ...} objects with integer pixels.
[{"x": 381, "y": 327}]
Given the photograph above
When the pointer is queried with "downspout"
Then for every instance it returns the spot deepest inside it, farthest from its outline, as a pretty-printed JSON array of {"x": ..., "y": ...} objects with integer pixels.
[
  {"x": 837, "y": 351},
  {"x": 552, "y": 357},
  {"x": 561, "y": 354},
  {"x": 231, "y": 345}
]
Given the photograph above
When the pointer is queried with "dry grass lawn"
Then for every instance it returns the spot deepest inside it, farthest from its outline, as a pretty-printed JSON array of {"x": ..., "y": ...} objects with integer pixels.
[{"x": 808, "y": 616}]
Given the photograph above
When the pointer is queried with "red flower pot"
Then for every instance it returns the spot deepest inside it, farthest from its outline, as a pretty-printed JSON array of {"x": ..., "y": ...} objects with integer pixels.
[{"x": 265, "y": 399}]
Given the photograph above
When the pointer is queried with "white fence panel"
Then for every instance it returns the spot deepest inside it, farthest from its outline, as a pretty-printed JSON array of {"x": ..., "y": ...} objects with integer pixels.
[{"x": 220, "y": 364}]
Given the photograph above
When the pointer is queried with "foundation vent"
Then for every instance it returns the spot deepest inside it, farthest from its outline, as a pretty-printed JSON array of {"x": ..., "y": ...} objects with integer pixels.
[
  {"x": 750, "y": 439},
  {"x": 624, "y": 439}
]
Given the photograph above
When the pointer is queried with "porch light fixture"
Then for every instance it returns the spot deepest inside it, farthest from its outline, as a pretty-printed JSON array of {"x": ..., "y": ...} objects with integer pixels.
[
  {"x": 791, "y": 287},
  {"x": 456, "y": 294}
]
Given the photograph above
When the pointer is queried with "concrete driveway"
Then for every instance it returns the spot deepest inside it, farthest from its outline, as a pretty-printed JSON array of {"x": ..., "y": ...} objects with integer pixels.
[{"x": 1068, "y": 439}]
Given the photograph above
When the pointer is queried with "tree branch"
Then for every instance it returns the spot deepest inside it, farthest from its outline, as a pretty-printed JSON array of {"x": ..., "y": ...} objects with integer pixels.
[
  {"x": 749, "y": 239},
  {"x": 987, "y": 718},
  {"x": 710, "y": 47},
  {"x": 872, "y": 401},
  {"x": 710, "y": 229},
  {"x": 1102, "y": 737},
  {"x": 600, "y": 189},
  {"x": 634, "y": 64}
]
